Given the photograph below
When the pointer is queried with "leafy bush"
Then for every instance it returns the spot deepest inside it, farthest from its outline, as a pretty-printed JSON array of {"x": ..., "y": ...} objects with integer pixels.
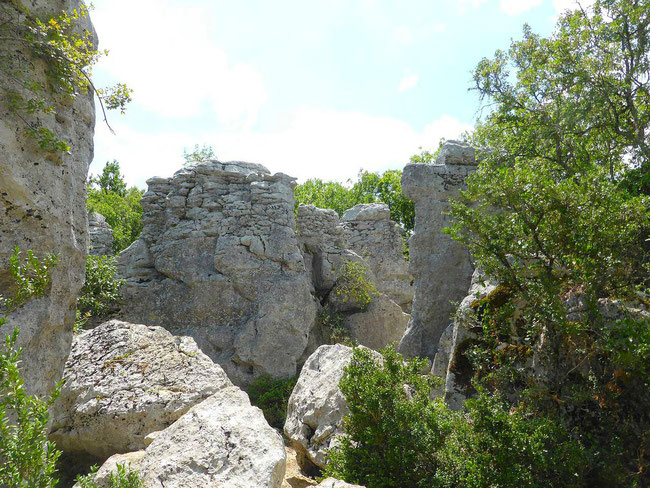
[
  {"x": 396, "y": 436},
  {"x": 201, "y": 154},
  {"x": 272, "y": 396},
  {"x": 26, "y": 456},
  {"x": 100, "y": 293},
  {"x": 352, "y": 285},
  {"x": 123, "y": 477}
]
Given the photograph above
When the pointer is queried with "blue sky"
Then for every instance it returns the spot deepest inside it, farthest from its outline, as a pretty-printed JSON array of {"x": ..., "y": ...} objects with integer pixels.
[{"x": 311, "y": 89}]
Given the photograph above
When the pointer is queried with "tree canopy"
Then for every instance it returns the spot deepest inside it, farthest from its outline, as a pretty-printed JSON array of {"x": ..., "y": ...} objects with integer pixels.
[{"x": 109, "y": 196}]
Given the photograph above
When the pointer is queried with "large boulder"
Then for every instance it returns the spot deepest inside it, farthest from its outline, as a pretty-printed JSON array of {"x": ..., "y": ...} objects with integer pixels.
[
  {"x": 441, "y": 267},
  {"x": 381, "y": 324},
  {"x": 124, "y": 381},
  {"x": 101, "y": 235},
  {"x": 42, "y": 207},
  {"x": 317, "y": 406},
  {"x": 223, "y": 442},
  {"x": 219, "y": 260},
  {"x": 371, "y": 234}
]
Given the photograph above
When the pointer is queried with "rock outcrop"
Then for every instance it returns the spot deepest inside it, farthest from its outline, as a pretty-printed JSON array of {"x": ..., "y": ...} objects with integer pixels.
[
  {"x": 124, "y": 381},
  {"x": 371, "y": 234},
  {"x": 42, "y": 208},
  {"x": 365, "y": 235},
  {"x": 223, "y": 441},
  {"x": 101, "y": 235},
  {"x": 317, "y": 406},
  {"x": 450, "y": 362},
  {"x": 441, "y": 267},
  {"x": 218, "y": 260}
]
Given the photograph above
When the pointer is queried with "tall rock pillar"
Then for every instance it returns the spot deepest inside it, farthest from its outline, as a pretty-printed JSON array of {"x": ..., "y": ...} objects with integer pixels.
[
  {"x": 441, "y": 267},
  {"x": 42, "y": 208}
]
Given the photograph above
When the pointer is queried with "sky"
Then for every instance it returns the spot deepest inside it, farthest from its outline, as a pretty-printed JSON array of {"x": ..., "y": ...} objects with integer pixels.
[{"x": 313, "y": 89}]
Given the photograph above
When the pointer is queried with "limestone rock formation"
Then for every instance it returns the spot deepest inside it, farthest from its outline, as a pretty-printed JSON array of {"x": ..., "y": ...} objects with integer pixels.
[
  {"x": 101, "y": 235},
  {"x": 457, "y": 340},
  {"x": 365, "y": 235},
  {"x": 441, "y": 267},
  {"x": 218, "y": 260},
  {"x": 42, "y": 208},
  {"x": 323, "y": 244},
  {"x": 371, "y": 234},
  {"x": 317, "y": 406},
  {"x": 124, "y": 381},
  {"x": 223, "y": 441},
  {"x": 381, "y": 324}
]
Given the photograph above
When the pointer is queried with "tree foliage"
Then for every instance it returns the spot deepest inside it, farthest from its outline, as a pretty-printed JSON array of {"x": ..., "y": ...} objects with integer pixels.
[
  {"x": 68, "y": 54},
  {"x": 199, "y": 155},
  {"x": 369, "y": 188},
  {"x": 108, "y": 195},
  {"x": 557, "y": 214}
]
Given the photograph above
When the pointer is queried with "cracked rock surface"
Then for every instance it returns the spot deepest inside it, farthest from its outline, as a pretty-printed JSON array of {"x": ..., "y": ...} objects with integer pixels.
[
  {"x": 219, "y": 260},
  {"x": 124, "y": 381},
  {"x": 223, "y": 441},
  {"x": 317, "y": 406}
]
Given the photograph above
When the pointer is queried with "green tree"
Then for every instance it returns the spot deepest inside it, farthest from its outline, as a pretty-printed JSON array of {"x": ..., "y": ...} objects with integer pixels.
[
  {"x": 201, "y": 154},
  {"x": 111, "y": 181},
  {"x": 369, "y": 188},
  {"x": 27, "y": 458},
  {"x": 109, "y": 196},
  {"x": 553, "y": 214},
  {"x": 324, "y": 194}
]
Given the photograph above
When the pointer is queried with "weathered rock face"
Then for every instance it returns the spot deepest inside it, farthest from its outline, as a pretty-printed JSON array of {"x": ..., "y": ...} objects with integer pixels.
[
  {"x": 366, "y": 235},
  {"x": 381, "y": 324},
  {"x": 317, "y": 406},
  {"x": 223, "y": 441},
  {"x": 101, "y": 235},
  {"x": 323, "y": 243},
  {"x": 450, "y": 362},
  {"x": 124, "y": 381},
  {"x": 42, "y": 208},
  {"x": 441, "y": 267},
  {"x": 371, "y": 234},
  {"x": 218, "y": 260}
]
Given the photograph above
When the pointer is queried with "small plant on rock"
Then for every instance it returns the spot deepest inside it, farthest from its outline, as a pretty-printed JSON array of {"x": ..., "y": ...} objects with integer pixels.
[
  {"x": 353, "y": 286},
  {"x": 123, "y": 477},
  {"x": 101, "y": 291}
]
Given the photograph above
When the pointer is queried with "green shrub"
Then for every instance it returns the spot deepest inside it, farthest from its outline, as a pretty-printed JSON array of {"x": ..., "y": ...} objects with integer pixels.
[
  {"x": 272, "y": 396},
  {"x": 100, "y": 293},
  {"x": 123, "y": 477},
  {"x": 352, "y": 285},
  {"x": 396, "y": 436},
  {"x": 27, "y": 459}
]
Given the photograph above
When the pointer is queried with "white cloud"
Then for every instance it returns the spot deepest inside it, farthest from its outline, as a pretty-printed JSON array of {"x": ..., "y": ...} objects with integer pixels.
[
  {"x": 407, "y": 35},
  {"x": 465, "y": 5},
  {"x": 516, "y": 7},
  {"x": 176, "y": 74},
  {"x": 316, "y": 143},
  {"x": 408, "y": 82}
]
